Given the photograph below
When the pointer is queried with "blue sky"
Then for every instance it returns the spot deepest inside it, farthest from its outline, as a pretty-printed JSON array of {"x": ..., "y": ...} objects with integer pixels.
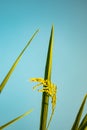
[{"x": 18, "y": 21}]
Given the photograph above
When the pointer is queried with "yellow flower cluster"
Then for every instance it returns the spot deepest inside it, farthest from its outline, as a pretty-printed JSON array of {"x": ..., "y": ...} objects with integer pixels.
[{"x": 49, "y": 88}]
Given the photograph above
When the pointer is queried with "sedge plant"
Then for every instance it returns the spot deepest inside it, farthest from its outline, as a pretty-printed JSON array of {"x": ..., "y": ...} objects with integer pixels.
[{"x": 49, "y": 90}]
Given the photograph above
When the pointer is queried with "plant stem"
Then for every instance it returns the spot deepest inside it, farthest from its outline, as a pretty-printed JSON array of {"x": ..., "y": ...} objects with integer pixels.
[{"x": 45, "y": 97}]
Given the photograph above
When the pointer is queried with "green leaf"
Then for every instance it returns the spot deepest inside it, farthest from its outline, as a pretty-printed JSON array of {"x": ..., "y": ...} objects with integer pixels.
[
  {"x": 2, "y": 85},
  {"x": 85, "y": 128},
  {"x": 83, "y": 124},
  {"x": 14, "y": 120},
  {"x": 48, "y": 69},
  {"x": 78, "y": 117}
]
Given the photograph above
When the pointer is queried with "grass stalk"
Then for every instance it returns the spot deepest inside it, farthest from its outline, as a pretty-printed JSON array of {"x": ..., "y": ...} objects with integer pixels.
[{"x": 45, "y": 97}]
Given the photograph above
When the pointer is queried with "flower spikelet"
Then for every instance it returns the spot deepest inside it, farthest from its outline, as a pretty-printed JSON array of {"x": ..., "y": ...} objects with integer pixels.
[{"x": 50, "y": 89}]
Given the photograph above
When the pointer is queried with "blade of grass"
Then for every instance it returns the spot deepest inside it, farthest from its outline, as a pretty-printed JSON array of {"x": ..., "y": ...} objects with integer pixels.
[
  {"x": 83, "y": 123},
  {"x": 78, "y": 117},
  {"x": 85, "y": 128},
  {"x": 16, "y": 119},
  {"x": 45, "y": 97},
  {"x": 2, "y": 85}
]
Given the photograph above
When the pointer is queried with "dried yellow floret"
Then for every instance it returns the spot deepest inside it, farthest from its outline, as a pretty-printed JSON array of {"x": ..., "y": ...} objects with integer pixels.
[{"x": 50, "y": 89}]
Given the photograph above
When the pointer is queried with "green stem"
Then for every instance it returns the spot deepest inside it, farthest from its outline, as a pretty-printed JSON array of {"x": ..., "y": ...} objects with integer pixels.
[{"x": 45, "y": 97}]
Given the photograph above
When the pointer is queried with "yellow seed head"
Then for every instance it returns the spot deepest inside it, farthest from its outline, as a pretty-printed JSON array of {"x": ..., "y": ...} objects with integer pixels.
[{"x": 49, "y": 88}]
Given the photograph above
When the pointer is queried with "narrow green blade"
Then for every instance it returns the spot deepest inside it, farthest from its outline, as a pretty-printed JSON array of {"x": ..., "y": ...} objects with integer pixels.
[
  {"x": 2, "y": 85},
  {"x": 14, "y": 120},
  {"x": 85, "y": 128},
  {"x": 83, "y": 123},
  {"x": 78, "y": 117},
  {"x": 48, "y": 67},
  {"x": 45, "y": 97}
]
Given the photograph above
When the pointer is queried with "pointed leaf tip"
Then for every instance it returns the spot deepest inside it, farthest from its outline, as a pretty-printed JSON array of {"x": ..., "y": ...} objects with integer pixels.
[
  {"x": 79, "y": 114},
  {"x": 83, "y": 124},
  {"x": 47, "y": 76},
  {"x": 15, "y": 120},
  {"x": 53, "y": 27},
  {"x": 8, "y": 75}
]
